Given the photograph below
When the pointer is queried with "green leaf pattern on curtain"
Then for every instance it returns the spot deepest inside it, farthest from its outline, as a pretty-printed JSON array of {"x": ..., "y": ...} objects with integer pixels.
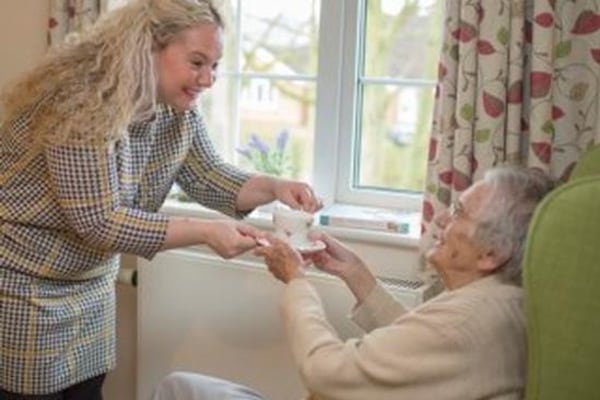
[
  {"x": 67, "y": 16},
  {"x": 519, "y": 83}
]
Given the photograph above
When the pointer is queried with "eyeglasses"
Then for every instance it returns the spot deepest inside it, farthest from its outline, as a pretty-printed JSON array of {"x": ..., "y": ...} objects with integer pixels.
[{"x": 456, "y": 210}]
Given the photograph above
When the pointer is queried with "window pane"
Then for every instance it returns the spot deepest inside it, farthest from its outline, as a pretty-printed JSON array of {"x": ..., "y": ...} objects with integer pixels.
[
  {"x": 272, "y": 94},
  {"x": 402, "y": 42},
  {"x": 280, "y": 37},
  {"x": 403, "y": 38},
  {"x": 229, "y": 10},
  {"x": 395, "y": 125},
  {"x": 276, "y": 126},
  {"x": 218, "y": 105}
]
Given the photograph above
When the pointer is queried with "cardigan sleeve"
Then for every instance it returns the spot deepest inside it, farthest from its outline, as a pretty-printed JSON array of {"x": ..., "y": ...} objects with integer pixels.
[
  {"x": 378, "y": 309},
  {"x": 408, "y": 355},
  {"x": 205, "y": 176},
  {"x": 86, "y": 184}
]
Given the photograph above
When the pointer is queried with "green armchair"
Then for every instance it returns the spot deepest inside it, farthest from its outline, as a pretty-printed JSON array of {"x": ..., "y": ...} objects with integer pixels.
[
  {"x": 588, "y": 164},
  {"x": 562, "y": 288}
]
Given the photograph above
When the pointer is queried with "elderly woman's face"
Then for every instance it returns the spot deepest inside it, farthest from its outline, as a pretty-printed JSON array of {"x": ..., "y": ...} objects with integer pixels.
[
  {"x": 456, "y": 251},
  {"x": 187, "y": 65}
]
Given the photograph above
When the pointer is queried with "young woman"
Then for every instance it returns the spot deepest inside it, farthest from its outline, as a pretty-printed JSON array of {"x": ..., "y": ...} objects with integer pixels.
[{"x": 91, "y": 142}]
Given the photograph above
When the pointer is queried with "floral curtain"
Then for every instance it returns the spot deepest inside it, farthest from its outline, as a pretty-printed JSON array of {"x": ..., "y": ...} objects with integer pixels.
[
  {"x": 67, "y": 16},
  {"x": 519, "y": 83}
]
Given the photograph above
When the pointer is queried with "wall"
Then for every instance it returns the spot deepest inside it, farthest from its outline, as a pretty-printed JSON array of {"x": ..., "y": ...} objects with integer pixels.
[
  {"x": 121, "y": 383},
  {"x": 200, "y": 313},
  {"x": 22, "y": 36},
  {"x": 22, "y": 43}
]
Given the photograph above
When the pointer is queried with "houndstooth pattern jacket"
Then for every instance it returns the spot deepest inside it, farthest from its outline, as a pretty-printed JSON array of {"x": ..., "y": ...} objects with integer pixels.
[{"x": 67, "y": 211}]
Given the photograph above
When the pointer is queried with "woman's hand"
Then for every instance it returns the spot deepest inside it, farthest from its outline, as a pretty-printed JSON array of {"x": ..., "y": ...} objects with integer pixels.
[
  {"x": 227, "y": 237},
  {"x": 262, "y": 189},
  {"x": 230, "y": 238},
  {"x": 284, "y": 262},
  {"x": 297, "y": 195}
]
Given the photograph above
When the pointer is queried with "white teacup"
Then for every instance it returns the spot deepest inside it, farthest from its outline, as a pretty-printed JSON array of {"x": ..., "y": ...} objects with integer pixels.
[{"x": 293, "y": 226}]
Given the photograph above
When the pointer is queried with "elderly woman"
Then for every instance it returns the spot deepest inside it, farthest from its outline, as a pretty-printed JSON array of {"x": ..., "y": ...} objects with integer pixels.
[
  {"x": 91, "y": 142},
  {"x": 466, "y": 343}
]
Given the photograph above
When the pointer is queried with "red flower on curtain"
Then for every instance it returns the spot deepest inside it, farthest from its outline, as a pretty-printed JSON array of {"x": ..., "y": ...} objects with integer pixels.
[
  {"x": 540, "y": 84},
  {"x": 67, "y": 16},
  {"x": 557, "y": 113},
  {"x": 494, "y": 107},
  {"x": 432, "y": 149},
  {"x": 587, "y": 22},
  {"x": 595, "y": 55},
  {"x": 465, "y": 33},
  {"x": 446, "y": 177},
  {"x": 543, "y": 151},
  {"x": 545, "y": 20},
  {"x": 515, "y": 93},
  {"x": 484, "y": 47}
]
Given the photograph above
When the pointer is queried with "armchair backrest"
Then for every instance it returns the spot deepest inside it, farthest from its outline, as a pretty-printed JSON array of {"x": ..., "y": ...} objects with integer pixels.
[
  {"x": 562, "y": 290},
  {"x": 588, "y": 164}
]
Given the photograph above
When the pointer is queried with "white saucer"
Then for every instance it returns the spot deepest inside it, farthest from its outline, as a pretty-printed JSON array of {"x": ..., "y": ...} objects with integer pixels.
[{"x": 310, "y": 247}]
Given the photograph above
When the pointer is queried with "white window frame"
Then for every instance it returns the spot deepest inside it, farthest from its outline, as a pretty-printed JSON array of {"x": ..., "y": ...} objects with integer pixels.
[
  {"x": 341, "y": 22},
  {"x": 336, "y": 110}
]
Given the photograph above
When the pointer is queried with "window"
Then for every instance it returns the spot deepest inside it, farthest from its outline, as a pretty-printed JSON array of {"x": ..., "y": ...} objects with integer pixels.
[{"x": 344, "y": 87}]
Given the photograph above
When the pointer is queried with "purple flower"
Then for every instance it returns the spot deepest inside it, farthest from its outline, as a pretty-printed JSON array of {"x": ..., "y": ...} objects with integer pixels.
[
  {"x": 282, "y": 140},
  {"x": 258, "y": 144},
  {"x": 245, "y": 151}
]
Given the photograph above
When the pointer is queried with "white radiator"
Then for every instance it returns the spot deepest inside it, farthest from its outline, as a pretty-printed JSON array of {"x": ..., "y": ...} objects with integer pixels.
[{"x": 197, "y": 312}]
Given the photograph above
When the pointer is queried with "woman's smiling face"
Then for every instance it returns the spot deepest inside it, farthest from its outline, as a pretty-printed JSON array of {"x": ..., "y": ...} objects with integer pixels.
[{"x": 187, "y": 65}]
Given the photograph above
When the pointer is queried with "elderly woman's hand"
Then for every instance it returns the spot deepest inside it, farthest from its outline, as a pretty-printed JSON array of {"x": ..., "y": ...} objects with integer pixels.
[
  {"x": 283, "y": 262},
  {"x": 342, "y": 262},
  {"x": 336, "y": 259}
]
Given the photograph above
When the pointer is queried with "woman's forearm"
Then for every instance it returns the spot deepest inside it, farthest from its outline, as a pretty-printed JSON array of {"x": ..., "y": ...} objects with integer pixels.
[
  {"x": 184, "y": 231},
  {"x": 228, "y": 238},
  {"x": 257, "y": 190}
]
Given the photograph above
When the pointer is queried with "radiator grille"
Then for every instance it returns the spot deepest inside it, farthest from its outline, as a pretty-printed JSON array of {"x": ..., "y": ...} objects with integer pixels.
[{"x": 395, "y": 283}]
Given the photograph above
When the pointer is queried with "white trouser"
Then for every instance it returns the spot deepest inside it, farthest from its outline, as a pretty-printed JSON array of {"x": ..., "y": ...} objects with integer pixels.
[{"x": 191, "y": 386}]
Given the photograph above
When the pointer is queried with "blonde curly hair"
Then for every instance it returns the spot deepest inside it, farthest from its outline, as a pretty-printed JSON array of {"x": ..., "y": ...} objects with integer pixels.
[{"x": 91, "y": 88}]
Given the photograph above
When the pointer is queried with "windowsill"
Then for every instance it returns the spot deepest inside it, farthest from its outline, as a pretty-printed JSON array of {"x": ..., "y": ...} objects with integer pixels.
[{"x": 261, "y": 218}]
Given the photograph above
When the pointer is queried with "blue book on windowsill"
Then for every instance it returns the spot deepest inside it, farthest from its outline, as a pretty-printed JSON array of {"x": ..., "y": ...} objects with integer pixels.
[{"x": 370, "y": 218}]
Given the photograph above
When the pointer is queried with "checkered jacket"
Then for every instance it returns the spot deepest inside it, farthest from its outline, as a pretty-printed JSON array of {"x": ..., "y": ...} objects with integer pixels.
[{"x": 66, "y": 212}]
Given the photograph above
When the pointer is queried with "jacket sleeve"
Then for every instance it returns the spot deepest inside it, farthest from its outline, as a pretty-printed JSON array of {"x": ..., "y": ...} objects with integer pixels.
[
  {"x": 205, "y": 176},
  {"x": 86, "y": 183}
]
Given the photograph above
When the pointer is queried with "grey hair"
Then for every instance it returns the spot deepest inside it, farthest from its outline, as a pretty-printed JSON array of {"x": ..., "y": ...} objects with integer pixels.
[{"x": 504, "y": 217}]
